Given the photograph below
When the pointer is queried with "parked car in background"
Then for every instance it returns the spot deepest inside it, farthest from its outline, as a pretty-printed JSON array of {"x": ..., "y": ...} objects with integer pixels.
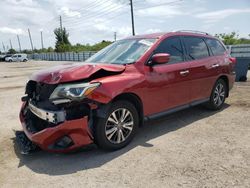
[
  {"x": 107, "y": 98},
  {"x": 17, "y": 58},
  {"x": 2, "y": 57}
]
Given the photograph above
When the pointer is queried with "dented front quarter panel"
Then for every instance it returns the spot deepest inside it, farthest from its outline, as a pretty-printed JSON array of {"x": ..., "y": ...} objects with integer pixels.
[{"x": 129, "y": 81}]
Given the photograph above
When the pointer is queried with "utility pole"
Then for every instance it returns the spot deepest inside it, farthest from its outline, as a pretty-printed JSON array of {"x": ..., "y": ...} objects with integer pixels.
[
  {"x": 114, "y": 36},
  {"x": 132, "y": 17},
  {"x": 61, "y": 28},
  {"x": 31, "y": 43},
  {"x": 20, "y": 49},
  {"x": 42, "y": 39},
  {"x": 11, "y": 44},
  {"x": 3, "y": 47}
]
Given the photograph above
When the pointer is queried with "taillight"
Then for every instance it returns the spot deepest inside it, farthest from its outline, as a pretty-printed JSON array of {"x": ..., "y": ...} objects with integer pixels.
[{"x": 232, "y": 62}]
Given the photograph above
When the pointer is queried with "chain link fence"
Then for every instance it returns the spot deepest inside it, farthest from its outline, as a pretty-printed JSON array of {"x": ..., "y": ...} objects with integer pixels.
[
  {"x": 241, "y": 50},
  {"x": 66, "y": 56}
]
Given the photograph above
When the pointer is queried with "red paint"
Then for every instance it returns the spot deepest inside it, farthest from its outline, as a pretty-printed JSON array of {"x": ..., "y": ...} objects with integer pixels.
[
  {"x": 72, "y": 72},
  {"x": 77, "y": 130},
  {"x": 159, "y": 87}
]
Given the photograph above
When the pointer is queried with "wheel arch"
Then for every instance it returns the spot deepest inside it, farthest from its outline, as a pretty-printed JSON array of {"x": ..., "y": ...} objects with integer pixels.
[{"x": 136, "y": 101}]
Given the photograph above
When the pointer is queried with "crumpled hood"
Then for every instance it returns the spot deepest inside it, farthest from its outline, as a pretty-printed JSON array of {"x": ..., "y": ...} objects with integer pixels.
[{"x": 73, "y": 72}]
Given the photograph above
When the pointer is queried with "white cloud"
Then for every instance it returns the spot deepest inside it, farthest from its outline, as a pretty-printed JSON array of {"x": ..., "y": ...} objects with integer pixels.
[
  {"x": 216, "y": 16},
  {"x": 70, "y": 13},
  {"x": 8, "y": 30},
  {"x": 167, "y": 11},
  {"x": 153, "y": 31}
]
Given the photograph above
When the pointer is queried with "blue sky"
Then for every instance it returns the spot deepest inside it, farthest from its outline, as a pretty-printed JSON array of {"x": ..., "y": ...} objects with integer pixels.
[{"x": 91, "y": 21}]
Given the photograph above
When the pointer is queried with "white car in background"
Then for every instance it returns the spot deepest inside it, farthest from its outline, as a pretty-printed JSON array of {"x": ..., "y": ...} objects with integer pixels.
[{"x": 17, "y": 57}]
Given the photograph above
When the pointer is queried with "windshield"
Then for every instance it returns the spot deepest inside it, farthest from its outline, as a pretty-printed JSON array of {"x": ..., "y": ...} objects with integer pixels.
[{"x": 123, "y": 51}]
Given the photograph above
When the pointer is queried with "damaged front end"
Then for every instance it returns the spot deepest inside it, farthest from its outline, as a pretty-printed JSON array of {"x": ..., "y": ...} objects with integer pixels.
[{"x": 58, "y": 117}]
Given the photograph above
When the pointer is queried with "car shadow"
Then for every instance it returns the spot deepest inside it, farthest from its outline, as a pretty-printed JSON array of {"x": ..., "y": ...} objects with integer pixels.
[{"x": 91, "y": 157}]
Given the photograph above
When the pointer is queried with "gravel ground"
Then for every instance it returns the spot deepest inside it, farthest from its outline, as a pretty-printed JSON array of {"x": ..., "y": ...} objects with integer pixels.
[{"x": 191, "y": 148}]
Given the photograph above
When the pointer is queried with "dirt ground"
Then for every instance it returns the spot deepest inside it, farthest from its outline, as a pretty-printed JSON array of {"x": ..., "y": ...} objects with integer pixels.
[{"x": 191, "y": 148}]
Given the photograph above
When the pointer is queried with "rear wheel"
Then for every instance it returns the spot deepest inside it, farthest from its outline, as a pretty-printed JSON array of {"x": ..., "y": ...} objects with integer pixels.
[
  {"x": 218, "y": 95},
  {"x": 24, "y": 60},
  {"x": 118, "y": 127}
]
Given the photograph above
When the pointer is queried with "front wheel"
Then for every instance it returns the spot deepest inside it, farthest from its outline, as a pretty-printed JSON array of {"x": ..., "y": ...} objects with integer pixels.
[
  {"x": 218, "y": 95},
  {"x": 118, "y": 127}
]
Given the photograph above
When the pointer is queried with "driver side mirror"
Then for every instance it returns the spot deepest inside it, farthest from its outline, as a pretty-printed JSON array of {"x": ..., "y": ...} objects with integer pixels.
[{"x": 160, "y": 58}]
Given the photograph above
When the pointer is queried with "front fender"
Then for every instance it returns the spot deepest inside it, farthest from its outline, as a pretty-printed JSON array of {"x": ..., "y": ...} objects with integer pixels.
[{"x": 118, "y": 84}]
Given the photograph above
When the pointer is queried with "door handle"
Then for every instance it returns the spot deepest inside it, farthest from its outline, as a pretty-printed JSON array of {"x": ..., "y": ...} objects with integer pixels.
[
  {"x": 184, "y": 73},
  {"x": 215, "y": 65}
]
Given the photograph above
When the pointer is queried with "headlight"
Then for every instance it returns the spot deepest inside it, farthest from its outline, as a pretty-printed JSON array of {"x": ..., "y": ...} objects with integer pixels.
[{"x": 73, "y": 91}]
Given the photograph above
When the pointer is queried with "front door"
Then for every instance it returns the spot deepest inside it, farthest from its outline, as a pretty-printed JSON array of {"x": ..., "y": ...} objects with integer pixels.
[{"x": 168, "y": 84}]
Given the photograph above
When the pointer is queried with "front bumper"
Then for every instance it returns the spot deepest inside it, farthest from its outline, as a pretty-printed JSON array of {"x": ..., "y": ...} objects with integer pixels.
[{"x": 76, "y": 130}]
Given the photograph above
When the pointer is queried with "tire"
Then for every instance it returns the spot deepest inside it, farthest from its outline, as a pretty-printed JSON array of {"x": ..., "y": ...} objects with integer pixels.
[
  {"x": 10, "y": 60},
  {"x": 25, "y": 60},
  {"x": 218, "y": 95},
  {"x": 107, "y": 131}
]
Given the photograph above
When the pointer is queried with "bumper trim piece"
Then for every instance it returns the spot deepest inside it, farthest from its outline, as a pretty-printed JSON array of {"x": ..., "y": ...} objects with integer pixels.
[{"x": 50, "y": 116}]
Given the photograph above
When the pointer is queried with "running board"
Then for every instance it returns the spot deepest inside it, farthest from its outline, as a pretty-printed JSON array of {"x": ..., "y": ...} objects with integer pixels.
[{"x": 176, "y": 109}]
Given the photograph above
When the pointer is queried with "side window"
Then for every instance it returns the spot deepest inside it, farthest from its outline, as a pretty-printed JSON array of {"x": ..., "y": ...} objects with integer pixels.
[
  {"x": 19, "y": 56},
  {"x": 173, "y": 47},
  {"x": 196, "y": 48},
  {"x": 15, "y": 56},
  {"x": 216, "y": 47}
]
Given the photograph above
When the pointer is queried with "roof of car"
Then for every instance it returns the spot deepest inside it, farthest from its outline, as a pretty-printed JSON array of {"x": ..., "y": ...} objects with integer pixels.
[{"x": 184, "y": 32}]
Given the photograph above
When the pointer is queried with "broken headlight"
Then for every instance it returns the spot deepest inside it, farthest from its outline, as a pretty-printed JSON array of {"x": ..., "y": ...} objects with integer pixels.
[{"x": 68, "y": 92}]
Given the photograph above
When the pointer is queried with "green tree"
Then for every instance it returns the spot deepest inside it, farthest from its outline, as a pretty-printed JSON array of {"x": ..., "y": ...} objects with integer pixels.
[
  {"x": 62, "y": 40},
  {"x": 232, "y": 38},
  {"x": 11, "y": 51}
]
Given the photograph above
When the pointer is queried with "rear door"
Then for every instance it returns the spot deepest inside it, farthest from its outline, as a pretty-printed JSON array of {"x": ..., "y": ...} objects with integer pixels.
[
  {"x": 168, "y": 84},
  {"x": 219, "y": 51},
  {"x": 203, "y": 67}
]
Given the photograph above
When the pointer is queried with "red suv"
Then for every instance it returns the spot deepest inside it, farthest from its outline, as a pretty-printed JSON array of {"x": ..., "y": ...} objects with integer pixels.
[{"x": 107, "y": 98}]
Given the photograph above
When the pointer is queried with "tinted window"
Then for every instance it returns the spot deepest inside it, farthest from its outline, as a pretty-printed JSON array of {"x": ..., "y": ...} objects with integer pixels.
[
  {"x": 19, "y": 56},
  {"x": 196, "y": 48},
  {"x": 215, "y": 46},
  {"x": 173, "y": 47}
]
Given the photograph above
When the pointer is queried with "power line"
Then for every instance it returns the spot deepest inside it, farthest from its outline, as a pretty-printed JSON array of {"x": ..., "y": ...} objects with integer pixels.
[
  {"x": 105, "y": 11},
  {"x": 158, "y": 5},
  {"x": 80, "y": 24},
  {"x": 85, "y": 11}
]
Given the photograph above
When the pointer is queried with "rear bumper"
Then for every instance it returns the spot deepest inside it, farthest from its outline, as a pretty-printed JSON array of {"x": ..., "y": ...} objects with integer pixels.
[{"x": 76, "y": 130}]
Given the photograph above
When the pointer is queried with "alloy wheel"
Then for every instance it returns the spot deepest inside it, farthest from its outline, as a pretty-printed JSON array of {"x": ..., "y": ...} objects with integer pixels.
[
  {"x": 119, "y": 125},
  {"x": 219, "y": 94}
]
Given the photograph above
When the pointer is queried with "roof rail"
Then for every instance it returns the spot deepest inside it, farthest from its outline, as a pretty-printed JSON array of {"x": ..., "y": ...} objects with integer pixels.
[{"x": 193, "y": 31}]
